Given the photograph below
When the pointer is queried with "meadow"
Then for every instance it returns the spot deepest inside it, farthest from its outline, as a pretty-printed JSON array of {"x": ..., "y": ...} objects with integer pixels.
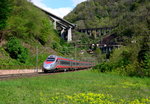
[{"x": 82, "y": 87}]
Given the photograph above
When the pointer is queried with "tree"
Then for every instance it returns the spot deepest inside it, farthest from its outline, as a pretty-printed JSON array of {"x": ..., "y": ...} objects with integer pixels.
[
  {"x": 5, "y": 8},
  {"x": 98, "y": 54},
  {"x": 144, "y": 53}
]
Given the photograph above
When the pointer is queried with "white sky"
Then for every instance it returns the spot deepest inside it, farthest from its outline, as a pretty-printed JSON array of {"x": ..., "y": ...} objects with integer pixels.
[{"x": 57, "y": 7}]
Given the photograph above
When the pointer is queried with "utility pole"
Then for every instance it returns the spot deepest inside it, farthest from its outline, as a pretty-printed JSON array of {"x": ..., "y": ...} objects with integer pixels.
[
  {"x": 75, "y": 53},
  {"x": 36, "y": 58}
]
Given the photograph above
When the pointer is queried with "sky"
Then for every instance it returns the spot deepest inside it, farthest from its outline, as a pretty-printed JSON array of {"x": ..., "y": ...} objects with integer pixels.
[{"x": 57, "y": 7}]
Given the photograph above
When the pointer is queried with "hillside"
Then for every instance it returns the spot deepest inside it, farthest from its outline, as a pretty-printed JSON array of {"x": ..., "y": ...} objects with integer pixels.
[
  {"x": 131, "y": 17},
  {"x": 132, "y": 21},
  {"x": 26, "y": 31},
  {"x": 100, "y": 13}
]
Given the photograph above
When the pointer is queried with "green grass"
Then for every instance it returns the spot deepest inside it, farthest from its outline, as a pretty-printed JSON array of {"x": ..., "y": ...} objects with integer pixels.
[{"x": 84, "y": 87}]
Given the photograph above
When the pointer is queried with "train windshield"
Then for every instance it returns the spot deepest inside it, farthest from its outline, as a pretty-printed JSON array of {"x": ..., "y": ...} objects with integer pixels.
[{"x": 50, "y": 59}]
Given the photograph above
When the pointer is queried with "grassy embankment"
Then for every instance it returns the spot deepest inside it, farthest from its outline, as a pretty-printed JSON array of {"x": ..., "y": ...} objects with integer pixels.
[{"x": 84, "y": 87}]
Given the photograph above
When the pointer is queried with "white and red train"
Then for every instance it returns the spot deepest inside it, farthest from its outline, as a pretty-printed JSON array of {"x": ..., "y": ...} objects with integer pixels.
[{"x": 54, "y": 63}]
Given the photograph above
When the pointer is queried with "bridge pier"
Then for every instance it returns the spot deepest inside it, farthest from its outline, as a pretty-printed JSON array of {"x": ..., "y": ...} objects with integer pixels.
[
  {"x": 86, "y": 32},
  {"x": 54, "y": 23},
  {"x": 99, "y": 32},
  {"x": 90, "y": 33},
  {"x": 62, "y": 33},
  {"x": 102, "y": 32},
  {"x": 69, "y": 34},
  {"x": 64, "y": 30}
]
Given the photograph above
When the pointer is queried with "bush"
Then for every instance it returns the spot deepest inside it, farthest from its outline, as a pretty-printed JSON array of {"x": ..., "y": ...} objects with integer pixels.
[
  {"x": 104, "y": 67},
  {"x": 16, "y": 50}
]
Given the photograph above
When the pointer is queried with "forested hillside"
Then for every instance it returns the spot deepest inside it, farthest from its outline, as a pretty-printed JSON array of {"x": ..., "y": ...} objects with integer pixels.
[
  {"x": 100, "y": 13},
  {"x": 132, "y": 21}
]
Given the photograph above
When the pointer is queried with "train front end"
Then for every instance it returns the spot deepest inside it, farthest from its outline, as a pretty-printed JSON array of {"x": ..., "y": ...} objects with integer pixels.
[{"x": 49, "y": 64}]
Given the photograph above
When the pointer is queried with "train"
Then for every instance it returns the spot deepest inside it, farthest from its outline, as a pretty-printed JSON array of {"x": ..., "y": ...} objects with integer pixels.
[{"x": 57, "y": 63}]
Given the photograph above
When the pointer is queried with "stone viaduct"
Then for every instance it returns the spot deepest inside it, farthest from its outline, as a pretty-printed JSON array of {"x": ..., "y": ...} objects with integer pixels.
[{"x": 97, "y": 31}]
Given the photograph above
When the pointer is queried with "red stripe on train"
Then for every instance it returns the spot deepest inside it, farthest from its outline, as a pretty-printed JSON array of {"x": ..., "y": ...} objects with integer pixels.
[
  {"x": 59, "y": 66},
  {"x": 46, "y": 62}
]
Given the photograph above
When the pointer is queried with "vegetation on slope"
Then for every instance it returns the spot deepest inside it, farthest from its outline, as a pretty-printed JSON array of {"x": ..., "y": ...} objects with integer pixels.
[
  {"x": 133, "y": 30},
  {"x": 100, "y": 13},
  {"x": 23, "y": 28}
]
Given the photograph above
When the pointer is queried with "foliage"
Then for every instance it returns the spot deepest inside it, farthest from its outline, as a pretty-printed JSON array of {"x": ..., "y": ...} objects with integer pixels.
[
  {"x": 93, "y": 13},
  {"x": 27, "y": 21},
  {"x": 98, "y": 54},
  {"x": 5, "y": 9},
  {"x": 62, "y": 47},
  {"x": 16, "y": 50},
  {"x": 144, "y": 53},
  {"x": 103, "y": 67},
  {"x": 125, "y": 62}
]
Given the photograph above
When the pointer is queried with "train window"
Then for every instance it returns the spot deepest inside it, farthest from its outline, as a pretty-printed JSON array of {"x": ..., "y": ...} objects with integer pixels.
[
  {"x": 50, "y": 59},
  {"x": 64, "y": 62},
  {"x": 74, "y": 63}
]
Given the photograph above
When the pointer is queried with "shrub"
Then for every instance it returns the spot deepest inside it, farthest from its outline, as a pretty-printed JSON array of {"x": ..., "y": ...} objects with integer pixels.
[
  {"x": 104, "y": 67},
  {"x": 16, "y": 50}
]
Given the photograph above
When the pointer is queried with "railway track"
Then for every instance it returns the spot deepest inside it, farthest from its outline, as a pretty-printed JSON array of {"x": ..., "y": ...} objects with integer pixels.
[{"x": 26, "y": 75}]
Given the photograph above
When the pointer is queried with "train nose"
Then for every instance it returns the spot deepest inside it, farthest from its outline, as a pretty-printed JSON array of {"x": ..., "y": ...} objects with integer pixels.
[{"x": 48, "y": 66}]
